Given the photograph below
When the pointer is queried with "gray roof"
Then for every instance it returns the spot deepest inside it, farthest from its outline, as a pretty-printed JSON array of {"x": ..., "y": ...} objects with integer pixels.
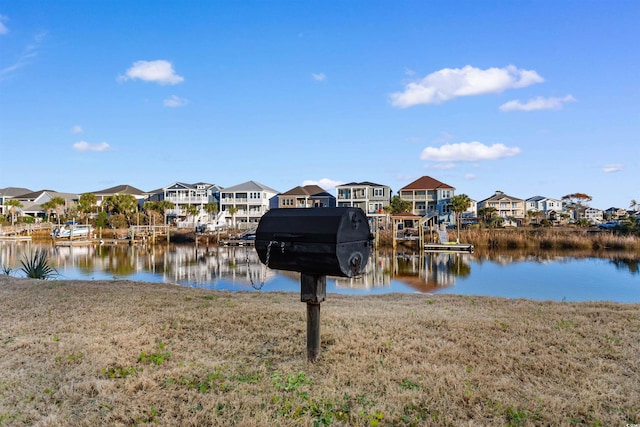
[
  {"x": 249, "y": 186},
  {"x": 13, "y": 191},
  {"x": 119, "y": 189}
]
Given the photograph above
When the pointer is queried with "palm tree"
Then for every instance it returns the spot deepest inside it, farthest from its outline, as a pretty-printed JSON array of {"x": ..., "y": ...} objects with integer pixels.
[
  {"x": 48, "y": 208},
  {"x": 124, "y": 204},
  {"x": 459, "y": 204},
  {"x": 487, "y": 213},
  {"x": 58, "y": 204},
  {"x": 233, "y": 210},
  {"x": 86, "y": 203},
  {"x": 211, "y": 208},
  {"x": 13, "y": 208},
  {"x": 192, "y": 210}
]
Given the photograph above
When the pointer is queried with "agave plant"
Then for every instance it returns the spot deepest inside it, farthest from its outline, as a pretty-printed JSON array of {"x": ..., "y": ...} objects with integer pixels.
[
  {"x": 36, "y": 266},
  {"x": 5, "y": 269}
]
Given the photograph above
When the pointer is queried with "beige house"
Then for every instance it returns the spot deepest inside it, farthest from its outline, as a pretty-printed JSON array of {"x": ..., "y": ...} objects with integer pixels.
[
  {"x": 506, "y": 206},
  {"x": 309, "y": 196}
]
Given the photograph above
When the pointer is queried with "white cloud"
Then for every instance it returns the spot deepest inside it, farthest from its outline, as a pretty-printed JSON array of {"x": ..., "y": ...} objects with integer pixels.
[
  {"x": 470, "y": 176},
  {"x": 467, "y": 152},
  {"x": 159, "y": 71},
  {"x": 76, "y": 129},
  {"x": 175, "y": 101},
  {"x": 3, "y": 28},
  {"x": 612, "y": 168},
  {"x": 326, "y": 183},
  {"x": 538, "y": 103},
  {"x": 86, "y": 146},
  {"x": 320, "y": 77},
  {"x": 449, "y": 83}
]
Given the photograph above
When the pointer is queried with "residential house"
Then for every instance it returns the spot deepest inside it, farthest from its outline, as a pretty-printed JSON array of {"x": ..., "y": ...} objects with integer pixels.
[
  {"x": 593, "y": 215},
  {"x": 10, "y": 193},
  {"x": 470, "y": 216},
  {"x": 506, "y": 206},
  {"x": 309, "y": 196},
  {"x": 32, "y": 202},
  {"x": 613, "y": 214},
  {"x": 430, "y": 197},
  {"x": 101, "y": 195},
  {"x": 370, "y": 197},
  {"x": 250, "y": 200},
  {"x": 548, "y": 206},
  {"x": 183, "y": 195}
]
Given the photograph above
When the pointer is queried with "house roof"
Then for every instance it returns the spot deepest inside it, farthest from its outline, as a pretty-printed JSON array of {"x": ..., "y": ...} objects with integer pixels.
[
  {"x": 426, "y": 183},
  {"x": 500, "y": 196},
  {"x": 187, "y": 186},
  {"x": 249, "y": 186},
  {"x": 120, "y": 189},
  {"x": 35, "y": 195},
  {"x": 535, "y": 199},
  {"x": 13, "y": 191},
  {"x": 361, "y": 184},
  {"x": 307, "y": 190}
]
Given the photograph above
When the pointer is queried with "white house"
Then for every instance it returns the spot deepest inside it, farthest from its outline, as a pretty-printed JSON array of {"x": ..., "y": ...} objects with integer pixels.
[
  {"x": 595, "y": 216},
  {"x": 183, "y": 195},
  {"x": 250, "y": 200}
]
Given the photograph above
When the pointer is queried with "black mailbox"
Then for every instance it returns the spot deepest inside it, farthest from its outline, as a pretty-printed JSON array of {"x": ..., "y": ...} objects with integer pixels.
[{"x": 315, "y": 241}]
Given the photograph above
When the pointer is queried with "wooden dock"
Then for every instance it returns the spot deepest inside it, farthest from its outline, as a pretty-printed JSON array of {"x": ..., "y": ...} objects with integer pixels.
[
  {"x": 448, "y": 247},
  {"x": 237, "y": 242}
]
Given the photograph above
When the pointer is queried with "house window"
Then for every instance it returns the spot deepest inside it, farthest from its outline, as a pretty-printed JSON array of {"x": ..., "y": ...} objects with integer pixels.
[{"x": 378, "y": 192}]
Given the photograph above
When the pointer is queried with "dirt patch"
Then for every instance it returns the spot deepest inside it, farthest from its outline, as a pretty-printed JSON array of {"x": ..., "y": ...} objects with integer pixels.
[{"x": 126, "y": 353}]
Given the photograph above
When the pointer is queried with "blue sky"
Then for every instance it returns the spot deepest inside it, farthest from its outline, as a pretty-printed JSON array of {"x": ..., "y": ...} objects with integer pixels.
[{"x": 527, "y": 97}]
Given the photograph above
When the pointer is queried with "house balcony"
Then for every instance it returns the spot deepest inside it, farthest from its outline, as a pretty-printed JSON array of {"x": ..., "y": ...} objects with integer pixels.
[{"x": 188, "y": 200}]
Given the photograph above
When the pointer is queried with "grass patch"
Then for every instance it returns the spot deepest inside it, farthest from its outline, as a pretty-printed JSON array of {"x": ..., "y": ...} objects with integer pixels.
[{"x": 447, "y": 361}]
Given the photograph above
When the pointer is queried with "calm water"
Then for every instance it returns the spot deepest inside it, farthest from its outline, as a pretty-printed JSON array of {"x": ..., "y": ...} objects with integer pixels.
[{"x": 544, "y": 277}]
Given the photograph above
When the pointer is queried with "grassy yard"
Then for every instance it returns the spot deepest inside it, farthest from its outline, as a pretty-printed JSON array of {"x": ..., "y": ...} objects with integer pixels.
[{"x": 116, "y": 353}]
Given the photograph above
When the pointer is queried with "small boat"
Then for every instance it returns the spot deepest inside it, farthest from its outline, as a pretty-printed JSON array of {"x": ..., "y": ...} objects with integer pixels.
[{"x": 70, "y": 231}]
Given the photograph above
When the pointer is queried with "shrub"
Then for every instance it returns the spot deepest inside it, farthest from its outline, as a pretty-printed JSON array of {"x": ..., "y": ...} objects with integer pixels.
[{"x": 36, "y": 266}]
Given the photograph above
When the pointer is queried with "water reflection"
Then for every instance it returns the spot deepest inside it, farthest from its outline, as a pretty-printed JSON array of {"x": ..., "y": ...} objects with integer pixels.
[
  {"x": 203, "y": 265},
  {"x": 499, "y": 273}
]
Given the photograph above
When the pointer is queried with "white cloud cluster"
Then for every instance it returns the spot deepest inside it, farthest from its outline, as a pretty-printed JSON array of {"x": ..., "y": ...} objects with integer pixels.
[
  {"x": 449, "y": 83},
  {"x": 76, "y": 129},
  {"x": 3, "y": 28},
  {"x": 159, "y": 71},
  {"x": 86, "y": 146},
  {"x": 175, "y": 101},
  {"x": 612, "y": 168},
  {"x": 467, "y": 152},
  {"x": 538, "y": 103},
  {"x": 326, "y": 183},
  {"x": 320, "y": 77}
]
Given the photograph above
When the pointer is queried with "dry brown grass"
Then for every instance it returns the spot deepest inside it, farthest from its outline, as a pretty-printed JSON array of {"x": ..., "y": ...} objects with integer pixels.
[
  {"x": 124, "y": 353},
  {"x": 549, "y": 238}
]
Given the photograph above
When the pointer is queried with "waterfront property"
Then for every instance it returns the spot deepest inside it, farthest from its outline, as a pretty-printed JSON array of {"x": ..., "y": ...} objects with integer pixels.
[
  {"x": 370, "y": 197},
  {"x": 184, "y": 195},
  {"x": 430, "y": 198},
  {"x": 507, "y": 207},
  {"x": 308, "y": 196},
  {"x": 243, "y": 205}
]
